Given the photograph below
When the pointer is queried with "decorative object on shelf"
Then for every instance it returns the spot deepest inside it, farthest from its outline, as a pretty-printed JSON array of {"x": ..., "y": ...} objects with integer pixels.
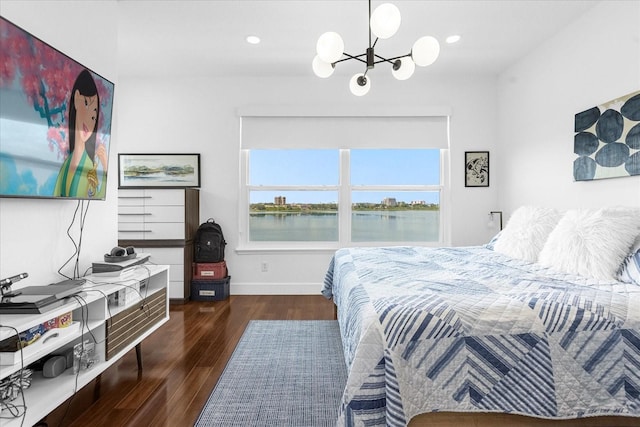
[
  {"x": 5, "y": 284},
  {"x": 607, "y": 139},
  {"x": 175, "y": 170},
  {"x": 84, "y": 356},
  {"x": 476, "y": 171},
  {"x": 492, "y": 221},
  {"x": 383, "y": 23}
]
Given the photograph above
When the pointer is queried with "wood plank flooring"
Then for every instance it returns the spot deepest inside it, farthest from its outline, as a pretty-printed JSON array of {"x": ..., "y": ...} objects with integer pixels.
[
  {"x": 184, "y": 359},
  {"x": 182, "y": 363}
]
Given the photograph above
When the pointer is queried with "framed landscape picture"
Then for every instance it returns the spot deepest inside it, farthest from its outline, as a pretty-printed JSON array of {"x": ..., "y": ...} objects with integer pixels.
[
  {"x": 158, "y": 170},
  {"x": 476, "y": 170}
]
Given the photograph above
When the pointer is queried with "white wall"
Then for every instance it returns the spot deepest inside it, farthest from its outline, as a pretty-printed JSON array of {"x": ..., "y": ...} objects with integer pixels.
[
  {"x": 594, "y": 60},
  {"x": 525, "y": 119},
  {"x": 33, "y": 232},
  {"x": 199, "y": 114}
]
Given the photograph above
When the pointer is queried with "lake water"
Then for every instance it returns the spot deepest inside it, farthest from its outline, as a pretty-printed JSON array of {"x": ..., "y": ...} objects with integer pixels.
[{"x": 366, "y": 226}]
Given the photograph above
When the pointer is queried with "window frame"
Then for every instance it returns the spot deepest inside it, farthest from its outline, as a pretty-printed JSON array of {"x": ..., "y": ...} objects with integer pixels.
[{"x": 344, "y": 188}]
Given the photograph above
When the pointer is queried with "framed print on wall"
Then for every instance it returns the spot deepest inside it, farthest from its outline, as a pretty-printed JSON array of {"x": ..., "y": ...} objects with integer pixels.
[
  {"x": 175, "y": 170},
  {"x": 607, "y": 139},
  {"x": 476, "y": 170}
]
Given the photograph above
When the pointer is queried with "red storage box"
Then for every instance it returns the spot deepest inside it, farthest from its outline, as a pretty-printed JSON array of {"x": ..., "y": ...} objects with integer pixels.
[{"x": 209, "y": 270}]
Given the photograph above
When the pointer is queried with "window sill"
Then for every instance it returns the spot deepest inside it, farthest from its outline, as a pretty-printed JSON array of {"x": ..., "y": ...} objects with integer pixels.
[
  {"x": 284, "y": 250},
  {"x": 297, "y": 250}
]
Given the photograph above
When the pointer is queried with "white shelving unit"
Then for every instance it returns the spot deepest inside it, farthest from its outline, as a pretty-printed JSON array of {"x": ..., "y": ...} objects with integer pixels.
[{"x": 46, "y": 394}]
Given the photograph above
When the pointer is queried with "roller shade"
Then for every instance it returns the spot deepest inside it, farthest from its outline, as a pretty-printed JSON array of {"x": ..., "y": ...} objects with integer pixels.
[{"x": 345, "y": 132}]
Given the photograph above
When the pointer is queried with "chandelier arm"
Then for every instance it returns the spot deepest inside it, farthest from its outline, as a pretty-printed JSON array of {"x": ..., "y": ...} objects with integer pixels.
[
  {"x": 357, "y": 58},
  {"x": 390, "y": 60}
]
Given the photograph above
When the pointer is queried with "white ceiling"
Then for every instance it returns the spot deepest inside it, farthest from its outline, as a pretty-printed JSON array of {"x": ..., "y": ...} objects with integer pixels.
[{"x": 203, "y": 37}]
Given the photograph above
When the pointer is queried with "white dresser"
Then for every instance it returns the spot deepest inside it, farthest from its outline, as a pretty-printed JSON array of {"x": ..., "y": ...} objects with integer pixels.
[{"x": 162, "y": 222}]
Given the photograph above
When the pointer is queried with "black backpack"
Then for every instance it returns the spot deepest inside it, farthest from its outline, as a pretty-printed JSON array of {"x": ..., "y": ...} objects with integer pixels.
[{"x": 209, "y": 242}]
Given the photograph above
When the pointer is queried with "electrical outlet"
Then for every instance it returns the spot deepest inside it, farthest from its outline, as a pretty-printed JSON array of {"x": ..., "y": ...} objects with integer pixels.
[{"x": 264, "y": 267}]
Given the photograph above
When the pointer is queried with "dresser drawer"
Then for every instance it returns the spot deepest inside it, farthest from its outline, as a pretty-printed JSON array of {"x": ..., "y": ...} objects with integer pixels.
[
  {"x": 164, "y": 214},
  {"x": 131, "y": 214},
  {"x": 166, "y": 256},
  {"x": 130, "y": 235},
  {"x": 131, "y": 231},
  {"x": 174, "y": 258},
  {"x": 163, "y": 231},
  {"x": 150, "y": 231},
  {"x": 164, "y": 197},
  {"x": 176, "y": 289},
  {"x": 131, "y": 198}
]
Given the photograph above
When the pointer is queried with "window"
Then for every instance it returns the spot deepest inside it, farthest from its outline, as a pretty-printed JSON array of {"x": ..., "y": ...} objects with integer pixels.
[
  {"x": 393, "y": 195},
  {"x": 293, "y": 195},
  {"x": 321, "y": 182}
]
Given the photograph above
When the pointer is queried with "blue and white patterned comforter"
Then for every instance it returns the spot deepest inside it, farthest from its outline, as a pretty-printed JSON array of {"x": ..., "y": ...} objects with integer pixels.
[{"x": 471, "y": 330}]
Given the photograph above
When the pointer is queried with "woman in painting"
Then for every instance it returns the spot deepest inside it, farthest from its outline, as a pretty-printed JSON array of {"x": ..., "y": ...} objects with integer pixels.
[{"x": 78, "y": 175}]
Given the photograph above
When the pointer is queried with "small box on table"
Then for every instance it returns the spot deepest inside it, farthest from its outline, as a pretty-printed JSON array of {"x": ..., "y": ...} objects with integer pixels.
[
  {"x": 210, "y": 290},
  {"x": 210, "y": 270}
]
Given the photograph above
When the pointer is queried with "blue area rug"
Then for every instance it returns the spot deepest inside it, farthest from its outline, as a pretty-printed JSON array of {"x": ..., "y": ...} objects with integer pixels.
[{"x": 282, "y": 373}]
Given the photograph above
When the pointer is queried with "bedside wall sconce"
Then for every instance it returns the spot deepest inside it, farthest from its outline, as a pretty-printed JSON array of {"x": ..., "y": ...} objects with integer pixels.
[{"x": 492, "y": 222}]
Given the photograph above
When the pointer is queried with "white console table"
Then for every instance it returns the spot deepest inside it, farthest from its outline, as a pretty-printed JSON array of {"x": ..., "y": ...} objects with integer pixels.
[{"x": 116, "y": 328}]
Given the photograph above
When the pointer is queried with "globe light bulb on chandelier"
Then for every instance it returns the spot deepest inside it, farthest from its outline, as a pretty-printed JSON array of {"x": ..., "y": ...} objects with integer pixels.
[
  {"x": 384, "y": 22},
  {"x": 360, "y": 84}
]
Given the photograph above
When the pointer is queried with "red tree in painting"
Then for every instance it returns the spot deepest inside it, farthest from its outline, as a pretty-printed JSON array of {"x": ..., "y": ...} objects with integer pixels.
[{"x": 45, "y": 76}]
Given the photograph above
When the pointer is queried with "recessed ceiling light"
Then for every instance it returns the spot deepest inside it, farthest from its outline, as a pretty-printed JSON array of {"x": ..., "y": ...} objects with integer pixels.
[
  {"x": 453, "y": 39},
  {"x": 253, "y": 39}
]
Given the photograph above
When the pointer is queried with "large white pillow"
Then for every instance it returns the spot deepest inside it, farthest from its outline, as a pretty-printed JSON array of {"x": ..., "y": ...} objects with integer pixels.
[
  {"x": 526, "y": 232},
  {"x": 592, "y": 243}
]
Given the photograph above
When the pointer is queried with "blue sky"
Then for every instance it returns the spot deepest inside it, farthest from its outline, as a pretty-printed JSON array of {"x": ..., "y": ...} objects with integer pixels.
[{"x": 321, "y": 167}]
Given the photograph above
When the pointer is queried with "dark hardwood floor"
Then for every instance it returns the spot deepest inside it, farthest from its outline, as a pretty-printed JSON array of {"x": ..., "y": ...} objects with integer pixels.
[
  {"x": 182, "y": 363},
  {"x": 184, "y": 359}
]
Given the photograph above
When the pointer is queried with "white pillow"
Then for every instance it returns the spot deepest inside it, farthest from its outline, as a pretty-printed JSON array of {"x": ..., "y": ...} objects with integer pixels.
[
  {"x": 526, "y": 232},
  {"x": 592, "y": 243}
]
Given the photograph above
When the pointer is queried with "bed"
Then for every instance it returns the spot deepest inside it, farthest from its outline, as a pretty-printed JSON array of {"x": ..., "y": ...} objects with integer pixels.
[{"x": 474, "y": 330}]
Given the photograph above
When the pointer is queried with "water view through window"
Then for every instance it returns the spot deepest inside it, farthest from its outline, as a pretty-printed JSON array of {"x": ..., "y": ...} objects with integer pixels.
[
  {"x": 294, "y": 196},
  {"x": 294, "y": 216}
]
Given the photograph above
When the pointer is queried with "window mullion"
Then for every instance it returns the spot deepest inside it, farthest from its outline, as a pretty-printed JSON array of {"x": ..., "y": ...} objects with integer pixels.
[{"x": 344, "y": 206}]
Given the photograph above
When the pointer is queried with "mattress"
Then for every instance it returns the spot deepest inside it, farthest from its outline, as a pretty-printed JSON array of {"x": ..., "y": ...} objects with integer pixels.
[{"x": 471, "y": 330}]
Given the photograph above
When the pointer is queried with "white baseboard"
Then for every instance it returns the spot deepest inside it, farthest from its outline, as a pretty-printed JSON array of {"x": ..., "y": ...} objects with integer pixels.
[{"x": 275, "y": 289}]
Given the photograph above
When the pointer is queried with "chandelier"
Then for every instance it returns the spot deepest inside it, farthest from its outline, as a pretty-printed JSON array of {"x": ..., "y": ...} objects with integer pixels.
[{"x": 383, "y": 23}]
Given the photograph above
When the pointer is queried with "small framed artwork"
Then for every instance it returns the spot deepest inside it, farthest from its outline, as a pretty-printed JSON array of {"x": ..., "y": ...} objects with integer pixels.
[
  {"x": 158, "y": 170},
  {"x": 476, "y": 168}
]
